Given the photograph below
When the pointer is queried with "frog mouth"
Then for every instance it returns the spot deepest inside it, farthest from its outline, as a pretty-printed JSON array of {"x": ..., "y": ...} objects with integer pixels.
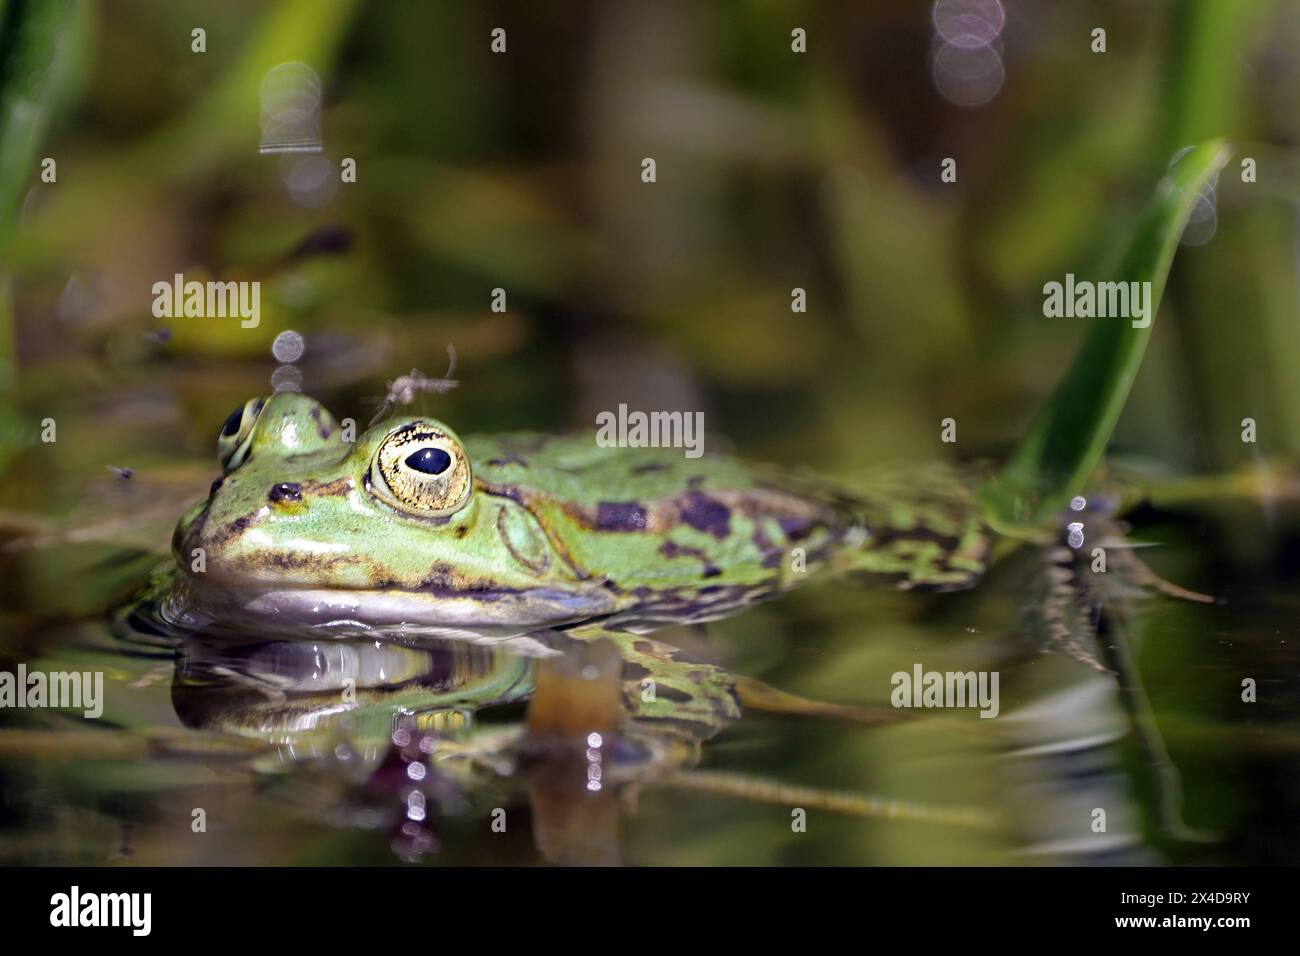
[{"x": 473, "y": 614}]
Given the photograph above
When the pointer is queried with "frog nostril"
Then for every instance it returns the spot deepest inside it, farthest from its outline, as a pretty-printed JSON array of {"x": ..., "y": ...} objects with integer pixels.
[{"x": 285, "y": 491}]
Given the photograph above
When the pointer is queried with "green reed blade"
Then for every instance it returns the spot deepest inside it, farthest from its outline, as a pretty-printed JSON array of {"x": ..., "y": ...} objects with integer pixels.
[{"x": 1066, "y": 440}]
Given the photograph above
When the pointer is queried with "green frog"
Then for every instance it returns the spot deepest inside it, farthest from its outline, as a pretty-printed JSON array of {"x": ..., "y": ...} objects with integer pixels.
[
  {"x": 539, "y": 547},
  {"x": 410, "y": 526},
  {"x": 530, "y": 545},
  {"x": 411, "y": 531}
]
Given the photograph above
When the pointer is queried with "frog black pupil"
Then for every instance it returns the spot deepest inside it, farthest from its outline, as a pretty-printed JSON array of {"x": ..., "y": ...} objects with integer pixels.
[
  {"x": 431, "y": 461},
  {"x": 232, "y": 423}
]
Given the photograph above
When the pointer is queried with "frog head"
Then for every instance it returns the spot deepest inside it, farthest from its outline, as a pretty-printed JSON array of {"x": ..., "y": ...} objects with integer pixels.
[{"x": 391, "y": 529}]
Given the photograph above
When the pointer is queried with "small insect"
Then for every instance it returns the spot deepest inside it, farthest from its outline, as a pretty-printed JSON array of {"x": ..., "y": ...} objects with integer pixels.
[
  {"x": 123, "y": 473},
  {"x": 402, "y": 391}
]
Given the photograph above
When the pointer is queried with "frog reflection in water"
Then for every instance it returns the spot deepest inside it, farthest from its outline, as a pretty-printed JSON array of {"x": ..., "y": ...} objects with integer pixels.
[
  {"x": 534, "y": 542},
  {"x": 394, "y": 735}
]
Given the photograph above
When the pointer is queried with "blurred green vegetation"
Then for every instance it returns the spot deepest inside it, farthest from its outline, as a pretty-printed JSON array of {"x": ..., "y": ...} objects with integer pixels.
[{"x": 776, "y": 171}]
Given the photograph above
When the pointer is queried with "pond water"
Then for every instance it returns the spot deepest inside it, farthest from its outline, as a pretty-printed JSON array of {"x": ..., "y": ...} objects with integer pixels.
[{"x": 221, "y": 748}]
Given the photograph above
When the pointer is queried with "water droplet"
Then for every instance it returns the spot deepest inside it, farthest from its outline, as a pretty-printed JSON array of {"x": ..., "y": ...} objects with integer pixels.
[
  {"x": 290, "y": 96},
  {"x": 287, "y": 378},
  {"x": 311, "y": 180},
  {"x": 967, "y": 73},
  {"x": 955, "y": 20},
  {"x": 288, "y": 347}
]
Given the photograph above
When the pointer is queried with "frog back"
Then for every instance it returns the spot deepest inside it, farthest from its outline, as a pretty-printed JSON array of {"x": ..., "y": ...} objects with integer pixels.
[{"x": 698, "y": 536}]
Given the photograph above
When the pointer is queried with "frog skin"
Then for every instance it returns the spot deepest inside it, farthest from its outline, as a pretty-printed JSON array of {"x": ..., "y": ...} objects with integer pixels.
[{"x": 408, "y": 527}]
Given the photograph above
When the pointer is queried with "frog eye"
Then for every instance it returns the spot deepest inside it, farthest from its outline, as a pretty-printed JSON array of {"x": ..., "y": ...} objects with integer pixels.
[
  {"x": 422, "y": 468},
  {"x": 234, "y": 441}
]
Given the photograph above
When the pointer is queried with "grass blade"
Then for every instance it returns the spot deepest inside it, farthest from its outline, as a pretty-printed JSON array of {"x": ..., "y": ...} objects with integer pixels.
[{"x": 1066, "y": 440}]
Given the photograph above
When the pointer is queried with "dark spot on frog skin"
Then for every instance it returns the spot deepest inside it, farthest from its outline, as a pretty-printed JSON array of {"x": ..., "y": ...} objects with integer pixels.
[
  {"x": 263, "y": 560},
  {"x": 216, "y": 486},
  {"x": 510, "y": 459},
  {"x": 707, "y": 514},
  {"x": 297, "y": 562},
  {"x": 672, "y": 694},
  {"x": 442, "y": 577},
  {"x": 620, "y": 516},
  {"x": 285, "y": 491},
  {"x": 323, "y": 428},
  {"x": 649, "y": 467},
  {"x": 632, "y": 671},
  {"x": 796, "y": 528},
  {"x": 339, "y": 486},
  {"x": 771, "y": 551},
  {"x": 671, "y": 549},
  {"x": 237, "y": 527}
]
